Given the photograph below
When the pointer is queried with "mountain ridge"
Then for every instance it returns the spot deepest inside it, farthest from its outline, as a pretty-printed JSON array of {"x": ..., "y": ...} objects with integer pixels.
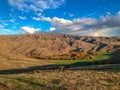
[{"x": 55, "y": 44}]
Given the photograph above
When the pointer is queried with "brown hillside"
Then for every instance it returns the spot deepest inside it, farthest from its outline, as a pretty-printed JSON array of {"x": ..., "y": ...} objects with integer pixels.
[{"x": 55, "y": 44}]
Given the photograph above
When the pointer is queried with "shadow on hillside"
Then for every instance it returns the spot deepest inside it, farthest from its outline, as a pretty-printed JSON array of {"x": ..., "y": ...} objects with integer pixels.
[
  {"x": 109, "y": 67},
  {"x": 113, "y": 63},
  {"x": 29, "y": 69},
  {"x": 114, "y": 58}
]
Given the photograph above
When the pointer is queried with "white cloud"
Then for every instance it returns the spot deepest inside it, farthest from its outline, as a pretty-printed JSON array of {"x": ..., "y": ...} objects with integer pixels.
[
  {"x": 22, "y": 17},
  {"x": 30, "y": 30},
  {"x": 52, "y": 29},
  {"x": 105, "y": 32},
  {"x": 118, "y": 12},
  {"x": 105, "y": 26},
  {"x": 46, "y": 19},
  {"x": 35, "y": 5},
  {"x": 36, "y": 18},
  {"x": 84, "y": 21},
  {"x": 108, "y": 13}
]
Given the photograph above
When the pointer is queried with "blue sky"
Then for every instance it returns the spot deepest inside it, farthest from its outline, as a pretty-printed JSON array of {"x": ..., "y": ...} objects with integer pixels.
[{"x": 79, "y": 17}]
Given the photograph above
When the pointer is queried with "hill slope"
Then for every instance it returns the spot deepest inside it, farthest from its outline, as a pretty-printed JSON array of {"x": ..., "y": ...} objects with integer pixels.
[{"x": 55, "y": 44}]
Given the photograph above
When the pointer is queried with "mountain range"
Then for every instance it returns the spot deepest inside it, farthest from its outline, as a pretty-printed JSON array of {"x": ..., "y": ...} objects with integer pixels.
[{"x": 37, "y": 45}]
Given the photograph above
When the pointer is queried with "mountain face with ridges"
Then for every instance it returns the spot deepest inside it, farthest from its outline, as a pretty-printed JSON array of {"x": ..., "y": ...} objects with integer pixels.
[{"x": 55, "y": 44}]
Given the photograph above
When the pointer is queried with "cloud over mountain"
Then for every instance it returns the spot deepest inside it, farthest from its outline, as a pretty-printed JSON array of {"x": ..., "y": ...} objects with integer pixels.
[
  {"x": 105, "y": 26},
  {"x": 30, "y": 30}
]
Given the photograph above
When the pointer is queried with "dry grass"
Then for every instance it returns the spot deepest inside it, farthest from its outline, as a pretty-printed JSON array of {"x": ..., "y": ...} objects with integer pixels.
[
  {"x": 63, "y": 80},
  {"x": 17, "y": 62},
  {"x": 54, "y": 79}
]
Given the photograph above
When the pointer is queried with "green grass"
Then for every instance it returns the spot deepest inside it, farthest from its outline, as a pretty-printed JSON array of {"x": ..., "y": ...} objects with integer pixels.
[
  {"x": 103, "y": 56},
  {"x": 72, "y": 61},
  {"x": 84, "y": 62}
]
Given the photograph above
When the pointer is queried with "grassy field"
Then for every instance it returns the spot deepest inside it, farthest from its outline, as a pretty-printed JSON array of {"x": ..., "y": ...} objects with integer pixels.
[
  {"x": 32, "y": 74},
  {"x": 62, "y": 80}
]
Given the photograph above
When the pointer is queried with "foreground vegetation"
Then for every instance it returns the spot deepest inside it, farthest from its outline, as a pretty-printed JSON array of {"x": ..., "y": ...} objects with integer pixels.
[
  {"x": 30, "y": 74},
  {"x": 62, "y": 80}
]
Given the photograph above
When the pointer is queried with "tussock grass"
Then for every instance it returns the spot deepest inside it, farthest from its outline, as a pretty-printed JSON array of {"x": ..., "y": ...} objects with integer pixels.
[
  {"x": 104, "y": 77},
  {"x": 63, "y": 80}
]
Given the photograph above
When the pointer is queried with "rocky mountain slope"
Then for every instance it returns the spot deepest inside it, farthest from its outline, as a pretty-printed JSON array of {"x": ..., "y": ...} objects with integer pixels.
[{"x": 55, "y": 44}]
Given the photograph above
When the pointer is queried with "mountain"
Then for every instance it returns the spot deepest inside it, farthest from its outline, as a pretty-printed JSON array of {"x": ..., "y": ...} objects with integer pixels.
[{"x": 36, "y": 45}]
